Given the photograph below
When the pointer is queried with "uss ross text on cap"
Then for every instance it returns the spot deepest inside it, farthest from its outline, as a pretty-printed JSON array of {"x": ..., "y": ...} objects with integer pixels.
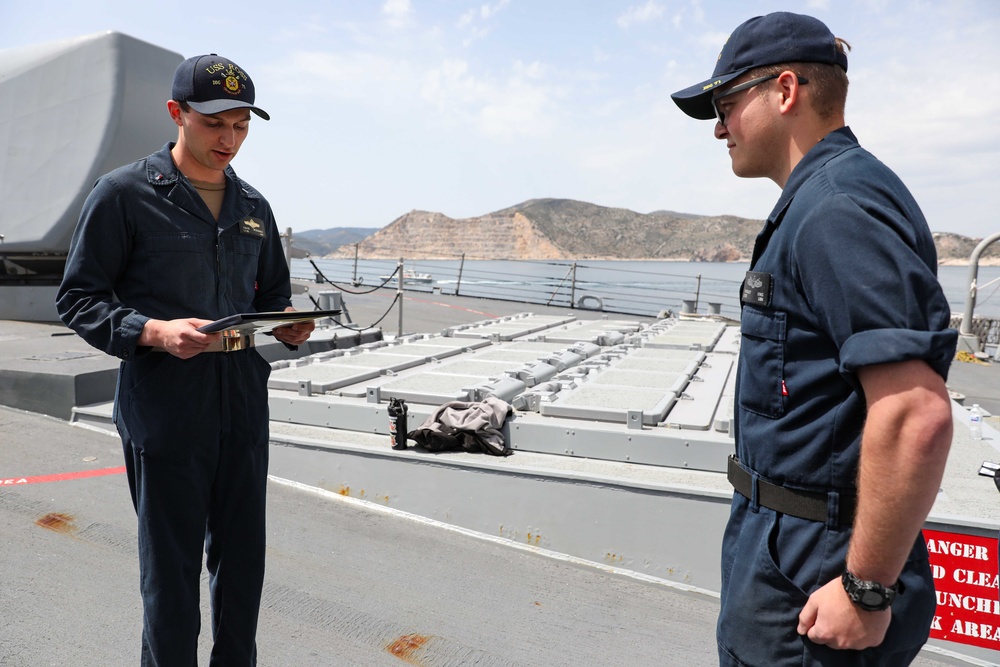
[
  {"x": 211, "y": 84},
  {"x": 781, "y": 37}
]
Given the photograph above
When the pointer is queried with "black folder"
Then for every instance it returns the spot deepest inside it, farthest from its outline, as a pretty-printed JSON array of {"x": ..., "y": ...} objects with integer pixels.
[{"x": 248, "y": 323}]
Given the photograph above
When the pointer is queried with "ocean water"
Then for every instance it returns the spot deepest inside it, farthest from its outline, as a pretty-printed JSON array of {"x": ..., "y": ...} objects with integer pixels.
[{"x": 628, "y": 287}]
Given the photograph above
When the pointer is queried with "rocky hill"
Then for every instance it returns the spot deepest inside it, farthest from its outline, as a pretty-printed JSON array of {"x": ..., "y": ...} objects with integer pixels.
[
  {"x": 954, "y": 249},
  {"x": 569, "y": 229},
  {"x": 562, "y": 229},
  {"x": 323, "y": 241}
]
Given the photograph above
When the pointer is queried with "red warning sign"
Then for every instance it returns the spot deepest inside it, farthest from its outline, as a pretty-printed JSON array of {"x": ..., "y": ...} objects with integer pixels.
[{"x": 965, "y": 582}]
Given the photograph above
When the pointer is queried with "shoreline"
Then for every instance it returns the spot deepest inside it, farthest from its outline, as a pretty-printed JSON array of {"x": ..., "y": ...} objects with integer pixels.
[{"x": 983, "y": 261}]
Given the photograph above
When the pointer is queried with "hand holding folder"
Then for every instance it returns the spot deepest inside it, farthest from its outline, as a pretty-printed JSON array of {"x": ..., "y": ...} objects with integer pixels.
[{"x": 250, "y": 323}]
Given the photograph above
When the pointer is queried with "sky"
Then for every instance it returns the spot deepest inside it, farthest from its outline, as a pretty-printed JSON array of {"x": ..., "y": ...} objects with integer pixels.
[{"x": 381, "y": 107}]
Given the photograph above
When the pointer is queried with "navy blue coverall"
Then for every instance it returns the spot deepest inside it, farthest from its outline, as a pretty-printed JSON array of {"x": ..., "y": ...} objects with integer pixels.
[
  {"x": 846, "y": 277},
  {"x": 194, "y": 432}
]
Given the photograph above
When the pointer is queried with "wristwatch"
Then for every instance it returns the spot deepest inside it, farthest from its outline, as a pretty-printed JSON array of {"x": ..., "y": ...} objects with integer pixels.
[{"x": 870, "y": 595}]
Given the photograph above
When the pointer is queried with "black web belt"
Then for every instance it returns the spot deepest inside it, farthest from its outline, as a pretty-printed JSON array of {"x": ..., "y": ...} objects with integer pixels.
[{"x": 811, "y": 505}]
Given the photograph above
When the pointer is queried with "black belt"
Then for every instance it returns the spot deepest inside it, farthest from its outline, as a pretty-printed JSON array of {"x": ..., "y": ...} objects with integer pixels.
[{"x": 811, "y": 505}]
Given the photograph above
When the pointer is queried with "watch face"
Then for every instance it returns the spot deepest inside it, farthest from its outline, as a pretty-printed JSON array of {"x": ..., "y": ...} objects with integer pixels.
[
  {"x": 872, "y": 599},
  {"x": 869, "y": 595}
]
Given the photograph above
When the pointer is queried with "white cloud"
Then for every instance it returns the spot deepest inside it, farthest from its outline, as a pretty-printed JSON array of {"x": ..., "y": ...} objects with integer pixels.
[
  {"x": 521, "y": 104},
  {"x": 360, "y": 76},
  {"x": 467, "y": 18},
  {"x": 475, "y": 34},
  {"x": 941, "y": 143},
  {"x": 607, "y": 159},
  {"x": 397, "y": 12},
  {"x": 694, "y": 11},
  {"x": 486, "y": 11},
  {"x": 312, "y": 27},
  {"x": 481, "y": 13},
  {"x": 698, "y": 11},
  {"x": 714, "y": 40},
  {"x": 474, "y": 21},
  {"x": 642, "y": 14},
  {"x": 449, "y": 84}
]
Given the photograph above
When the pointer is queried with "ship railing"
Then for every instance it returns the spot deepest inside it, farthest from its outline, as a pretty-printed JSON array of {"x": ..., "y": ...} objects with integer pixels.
[
  {"x": 975, "y": 334},
  {"x": 607, "y": 287}
]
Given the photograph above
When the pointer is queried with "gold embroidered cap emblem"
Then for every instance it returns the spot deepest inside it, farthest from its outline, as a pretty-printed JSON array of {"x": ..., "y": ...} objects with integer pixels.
[{"x": 230, "y": 77}]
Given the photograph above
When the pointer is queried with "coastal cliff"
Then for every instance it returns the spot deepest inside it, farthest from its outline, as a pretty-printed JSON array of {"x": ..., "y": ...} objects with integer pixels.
[{"x": 559, "y": 229}]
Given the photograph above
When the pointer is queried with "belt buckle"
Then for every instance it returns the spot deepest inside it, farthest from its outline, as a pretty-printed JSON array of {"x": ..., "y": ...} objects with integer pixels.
[{"x": 233, "y": 340}]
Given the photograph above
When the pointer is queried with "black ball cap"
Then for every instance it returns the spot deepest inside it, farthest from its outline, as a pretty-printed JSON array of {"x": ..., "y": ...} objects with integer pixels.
[{"x": 212, "y": 84}]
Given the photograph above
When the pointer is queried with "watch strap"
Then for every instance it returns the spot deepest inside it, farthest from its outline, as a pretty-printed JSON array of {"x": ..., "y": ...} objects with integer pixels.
[{"x": 870, "y": 595}]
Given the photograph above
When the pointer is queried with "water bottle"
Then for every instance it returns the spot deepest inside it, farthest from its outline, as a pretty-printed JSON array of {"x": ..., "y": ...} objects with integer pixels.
[
  {"x": 976, "y": 422},
  {"x": 397, "y": 423}
]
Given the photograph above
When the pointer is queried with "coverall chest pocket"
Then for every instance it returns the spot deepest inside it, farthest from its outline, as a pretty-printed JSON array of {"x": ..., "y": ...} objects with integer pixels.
[
  {"x": 762, "y": 361},
  {"x": 178, "y": 266},
  {"x": 243, "y": 253}
]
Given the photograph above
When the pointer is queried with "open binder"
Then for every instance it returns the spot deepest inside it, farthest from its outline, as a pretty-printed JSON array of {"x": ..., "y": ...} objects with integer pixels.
[{"x": 249, "y": 323}]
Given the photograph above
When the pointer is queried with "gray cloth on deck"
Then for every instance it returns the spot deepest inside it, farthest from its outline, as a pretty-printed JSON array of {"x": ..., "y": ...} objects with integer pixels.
[{"x": 474, "y": 426}]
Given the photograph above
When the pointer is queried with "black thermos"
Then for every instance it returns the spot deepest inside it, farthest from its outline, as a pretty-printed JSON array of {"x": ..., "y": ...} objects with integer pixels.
[{"x": 397, "y": 423}]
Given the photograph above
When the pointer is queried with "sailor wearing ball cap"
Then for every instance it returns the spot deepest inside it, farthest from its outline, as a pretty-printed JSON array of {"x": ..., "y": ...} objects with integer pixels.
[
  {"x": 164, "y": 246},
  {"x": 843, "y": 422}
]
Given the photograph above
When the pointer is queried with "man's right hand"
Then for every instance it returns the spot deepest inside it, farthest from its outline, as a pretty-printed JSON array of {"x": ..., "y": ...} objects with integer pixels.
[
  {"x": 180, "y": 338},
  {"x": 831, "y": 619}
]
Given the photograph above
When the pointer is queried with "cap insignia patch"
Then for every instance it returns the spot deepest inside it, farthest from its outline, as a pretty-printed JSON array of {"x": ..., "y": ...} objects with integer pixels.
[{"x": 232, "y": 77}]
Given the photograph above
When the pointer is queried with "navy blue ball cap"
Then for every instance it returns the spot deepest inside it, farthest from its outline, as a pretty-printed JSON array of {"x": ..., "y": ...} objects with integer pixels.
[
  {"x": 213, "y": 84},
  {"x": 781, "y": 37}
]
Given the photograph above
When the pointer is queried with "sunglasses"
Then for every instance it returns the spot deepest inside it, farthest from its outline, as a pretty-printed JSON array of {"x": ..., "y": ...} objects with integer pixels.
[{"x": 746, "y": 85}]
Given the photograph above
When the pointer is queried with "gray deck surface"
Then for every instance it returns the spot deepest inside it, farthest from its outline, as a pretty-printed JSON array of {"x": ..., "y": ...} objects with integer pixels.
[{"x": 345, "y": 585}]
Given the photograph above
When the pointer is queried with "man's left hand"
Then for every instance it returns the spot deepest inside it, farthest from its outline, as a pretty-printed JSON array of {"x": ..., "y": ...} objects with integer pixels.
[
  {"x": 295, "y": 334},
  {"x": 831, "y": 619}
]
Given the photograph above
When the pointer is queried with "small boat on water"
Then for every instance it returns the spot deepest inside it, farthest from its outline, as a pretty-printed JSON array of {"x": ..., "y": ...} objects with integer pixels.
[{"x": 412, "y": 278}]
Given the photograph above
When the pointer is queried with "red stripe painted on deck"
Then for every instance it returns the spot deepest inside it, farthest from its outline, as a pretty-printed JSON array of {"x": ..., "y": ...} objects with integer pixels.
[{"x": 61, "y": 477}]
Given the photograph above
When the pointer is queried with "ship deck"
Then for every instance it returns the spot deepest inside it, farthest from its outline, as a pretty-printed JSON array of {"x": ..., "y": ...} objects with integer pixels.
[{"x": 362, "y": 568}]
